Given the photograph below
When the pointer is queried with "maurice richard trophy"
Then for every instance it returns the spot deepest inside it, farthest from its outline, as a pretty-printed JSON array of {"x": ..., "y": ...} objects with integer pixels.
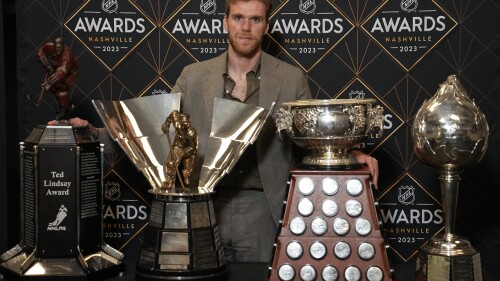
[
  {"x": 181, "y": 240},
  {"x": 449, "y": 134},
  {"x": 330, "y": 228}
]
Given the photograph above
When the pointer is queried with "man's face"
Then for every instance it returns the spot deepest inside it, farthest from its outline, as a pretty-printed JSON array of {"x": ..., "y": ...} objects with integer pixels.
[{"x": 246, "y": 25}]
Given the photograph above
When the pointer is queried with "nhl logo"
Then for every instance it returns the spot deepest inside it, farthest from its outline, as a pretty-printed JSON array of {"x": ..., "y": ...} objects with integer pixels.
[
  {"x": 112, "y": 191},
  {"x": 208, "y": 7},
  {"x": 109, "y": 6},
  {"x": 406, "y": 194},
  {"x": 409, "y": 5},
  {"x": 307, "y": 6},
  {"x": 357, "y": 94}
]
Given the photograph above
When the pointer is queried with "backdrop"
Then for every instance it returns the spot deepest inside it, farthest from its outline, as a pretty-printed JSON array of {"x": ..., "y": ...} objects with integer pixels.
[{"x": 395, "y": 51}]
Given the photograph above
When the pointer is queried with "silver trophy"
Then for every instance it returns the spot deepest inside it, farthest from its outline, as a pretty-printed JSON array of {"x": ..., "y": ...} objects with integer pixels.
[
  {"x": 449, "y": 134},
  {"x": 182, "y": 240},
  {"x": 330, "y": 128}
]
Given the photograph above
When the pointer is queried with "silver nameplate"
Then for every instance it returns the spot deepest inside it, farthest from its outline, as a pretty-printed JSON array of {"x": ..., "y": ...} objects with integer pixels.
[
  {"x": 167, "y": 259},
  {"x": 319, "y": 226},
  {"x": 342, "y": 250},
  {"x": 317, "y": 250},
  {"x": 330, "y": 186},
  {"x": 306, "y": 186},
  {"x": 374, "y": 273},
  {"x": 175, "y": 242},
  {"x": 297, "y": 226},
  {"x": 286, "y": 272},
  {"x": 341, "y": 226},
  {"x": 329, "y": 208},
  {"x": 363, "y": 226},
  {"x": 294, "y": 250},
  {"x": 354, "y": 187},
  {"x": 353, "y": 208},
  {"x": 176, "y": 216},
  {"x": 307, "y": 273},
  {"x": 199, "y": 215},
  {"x": 352, "y": 273},
  {"x": 366, "y": 251},
  {"x": 330, "y": 273},
  {"x": 305, "y": 207}
]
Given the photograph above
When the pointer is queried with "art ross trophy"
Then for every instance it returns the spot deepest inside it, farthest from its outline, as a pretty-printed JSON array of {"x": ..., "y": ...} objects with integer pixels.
[
  {"x": 330, "y": 228},
  {"x": 181, "y": 240},
  {"x": 449, "y": 134}
]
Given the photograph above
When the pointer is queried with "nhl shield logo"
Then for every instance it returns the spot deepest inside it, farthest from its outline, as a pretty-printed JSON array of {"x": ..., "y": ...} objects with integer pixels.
[
  {"x": 406, "y": 194},
  {"x": 307, "y": 6},
  {"x": 112, "y": 191},
  {"x": 109, "y": 6},
  {"x": 208, "y": 7},
  {"x": 409, "y": 5}
]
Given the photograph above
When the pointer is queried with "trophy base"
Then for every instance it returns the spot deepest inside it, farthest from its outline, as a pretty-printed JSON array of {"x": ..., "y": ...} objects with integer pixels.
[
  {"x": 448, "y": 257},
  {"x": 25, "y": 266},
  {"x": 182, "y": 240},
  {"x": 327, "y": 162}
]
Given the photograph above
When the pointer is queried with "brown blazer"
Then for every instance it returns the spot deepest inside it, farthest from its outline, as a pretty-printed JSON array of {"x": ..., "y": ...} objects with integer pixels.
[{"x": 201, "y": 82}]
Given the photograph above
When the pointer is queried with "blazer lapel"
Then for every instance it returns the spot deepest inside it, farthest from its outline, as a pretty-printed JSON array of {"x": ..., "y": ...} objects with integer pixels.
[
  {"x": 215, "y": 85},
  {"x": 270, "y": 81}
]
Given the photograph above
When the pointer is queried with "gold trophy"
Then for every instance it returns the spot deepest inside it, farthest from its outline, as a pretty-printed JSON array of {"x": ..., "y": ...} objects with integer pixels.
[
  {"x": 449, "y": 134},
  {"x": 181, "y": 240}
]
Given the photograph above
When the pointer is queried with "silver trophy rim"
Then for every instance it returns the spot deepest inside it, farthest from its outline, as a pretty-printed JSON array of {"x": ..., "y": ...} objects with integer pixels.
[{"x": 317, "y": 102}]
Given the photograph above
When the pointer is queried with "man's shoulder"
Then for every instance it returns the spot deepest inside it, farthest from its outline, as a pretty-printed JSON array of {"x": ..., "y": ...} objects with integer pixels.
[
  {"x": 209, "y": 63},
  {"x": 278, "y": 63}
]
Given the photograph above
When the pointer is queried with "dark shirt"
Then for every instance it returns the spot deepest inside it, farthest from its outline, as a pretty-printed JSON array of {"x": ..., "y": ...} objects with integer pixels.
[{"x": 245, "y": 174}]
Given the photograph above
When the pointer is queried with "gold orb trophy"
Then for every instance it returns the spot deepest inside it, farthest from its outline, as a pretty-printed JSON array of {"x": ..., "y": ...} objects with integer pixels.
[{"x": 449, "y": 134}]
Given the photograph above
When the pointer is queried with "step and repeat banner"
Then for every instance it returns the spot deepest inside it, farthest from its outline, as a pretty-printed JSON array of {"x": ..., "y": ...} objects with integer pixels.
[{"x": 394, "y": 51}]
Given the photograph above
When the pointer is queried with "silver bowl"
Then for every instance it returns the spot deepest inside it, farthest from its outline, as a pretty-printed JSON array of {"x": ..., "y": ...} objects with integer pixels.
[{"x": 330, "y": 128}]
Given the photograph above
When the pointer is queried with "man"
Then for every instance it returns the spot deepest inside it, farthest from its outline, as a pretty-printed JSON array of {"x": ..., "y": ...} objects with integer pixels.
[
  {"x": 61, "y": 72},
  {"x": 248, "y": 202}
]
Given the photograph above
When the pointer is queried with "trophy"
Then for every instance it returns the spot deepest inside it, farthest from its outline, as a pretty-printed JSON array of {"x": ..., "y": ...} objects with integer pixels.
[
  {"x": 330, "y": 128},
  {"x": 449, "y": 134},
  {"x": 330, "y": 228},
  {"x": 61, "y": 209},
  {"x": 181, "y": 240}
]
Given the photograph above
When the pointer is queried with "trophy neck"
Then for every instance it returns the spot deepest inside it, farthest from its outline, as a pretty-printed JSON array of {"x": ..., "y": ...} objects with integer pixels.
[{"x": 449, "y": 182}]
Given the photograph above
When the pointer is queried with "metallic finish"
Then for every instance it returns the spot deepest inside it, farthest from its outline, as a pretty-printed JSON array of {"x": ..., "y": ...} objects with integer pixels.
[
  {"x": 298, "y": 226},
  {"x": 329, "y": 208},
  {"x": 352, "y": 273},
  {"x": 317, "y": 250},
  {"x": 354, "y": 187},
  {"x": 319, "y": 226},
  {"x": 305, "y": 207},
  {"x": 235, "y": 126},
  {"x": 330, "y": 186},
  {"x": 449, "y": 134},
  {"x": 342, "y": 250},
  {"x": 286, "y": 272},
  {"x": 175, "y": 242},
  {"x": 437, "y": 267},
  {"x": 330, "y": 273},
  {"x": 353, "y": 207},
  {"x": 330, "y": 127},
  {"x": 176, "y": 212},
  {"x": 200, "y": 216},
  {"x": 366, "y": 251},
  {"x": 307, "y": 273},
  {"x": 374, "y": 273},
  {"x": 306, "y": 186},
  {"x": 341, "y": 226},
  {"x": 363, "y": 226},
  {"x": 294, "y": 250}
]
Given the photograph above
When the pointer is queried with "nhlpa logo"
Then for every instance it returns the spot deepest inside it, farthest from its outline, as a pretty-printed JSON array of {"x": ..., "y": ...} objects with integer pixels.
[
  {"x": 307, "y": 6},
  {"x": 208, "y": 7},
  {"x": 357, "y": 94},
  {"x": 112, "y": 191},
  {"x": 409, "y": 5},
  {"x": 406, "y": 194},
  {"x": 61, "y": 215}
]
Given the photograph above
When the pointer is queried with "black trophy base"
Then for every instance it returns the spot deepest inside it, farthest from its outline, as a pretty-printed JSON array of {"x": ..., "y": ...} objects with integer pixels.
[
  {"x": 432, "y": 267},
  {"x": 182, "y": 240}
]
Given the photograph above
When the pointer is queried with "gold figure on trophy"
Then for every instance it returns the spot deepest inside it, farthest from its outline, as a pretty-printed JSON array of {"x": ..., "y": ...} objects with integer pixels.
[
  {"x": 61, "y": 72},
  {"x": 183, "y": 149}
]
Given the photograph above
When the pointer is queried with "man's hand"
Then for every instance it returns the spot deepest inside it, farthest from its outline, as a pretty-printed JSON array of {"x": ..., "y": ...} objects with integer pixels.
[{"x": 369, "y": 161}]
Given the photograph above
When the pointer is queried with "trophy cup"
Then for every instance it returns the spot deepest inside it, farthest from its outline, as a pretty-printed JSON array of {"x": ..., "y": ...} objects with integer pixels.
[
  {"x": 449, "y": 134},
  {"x": 182, "y": 240},
  {"x": 61, "y": 209},
  {"x": 330, "y": 228}
]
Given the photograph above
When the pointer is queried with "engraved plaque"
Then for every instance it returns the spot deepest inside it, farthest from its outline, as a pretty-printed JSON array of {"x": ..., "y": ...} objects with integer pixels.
[
  {"x": 330, "y": 186},
  {"x": 342, "y": 250},
  {"x": 167, "y": 259},
  {"x": 366, "y": 251},
  {"x": 363, "y": 226},
  {"x": 354, "y": 187},
  {"x": 199, "y": 215},
  {"x": 286, "y": 272},
  {"x": 330, "y": 273},
  {"x": 374, "y": 273},
  {"x": 294, "y": 250},
  {"x": 329, "y": 208},
  {"x": 306, "y": 186},
  {"x": 317, "y": 250},
  {"x": 319, "y": 226},
  {"x": 341, "y": 226},
  {"x": 156, "y": 215},
  {"x": 352, "y": 273},
  {"x": 353, "y": 208},
  {"x": 175, "y": 242},
  {"x": 176, "y": 216},
  {"x": 307, "y": 273},
  {"x": 298, "y": 226},
  {"x": 305, "y": 207}
]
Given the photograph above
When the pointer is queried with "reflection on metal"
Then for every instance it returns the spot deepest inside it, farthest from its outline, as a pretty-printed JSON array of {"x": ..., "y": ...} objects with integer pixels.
[
  {"x": 235, "y": 125},
  {"x": 329, "y": 128},
  {"x": 449, "y": 134}
]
